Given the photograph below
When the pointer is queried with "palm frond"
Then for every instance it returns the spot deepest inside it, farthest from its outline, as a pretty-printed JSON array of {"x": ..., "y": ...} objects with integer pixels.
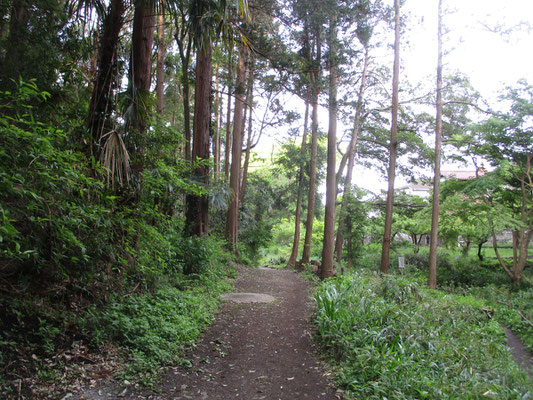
[{"x": 115, "y": 158}]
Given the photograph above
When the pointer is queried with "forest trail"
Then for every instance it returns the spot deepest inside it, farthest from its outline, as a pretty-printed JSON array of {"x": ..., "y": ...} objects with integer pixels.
[{"x": 252, "y": 350}]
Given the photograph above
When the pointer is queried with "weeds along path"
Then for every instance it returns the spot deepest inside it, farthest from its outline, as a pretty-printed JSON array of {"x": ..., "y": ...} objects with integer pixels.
[
  {"x": 251, "y": 351},
  {"x": 256, "y": 350},
  {"x": 520, "y": 354}
]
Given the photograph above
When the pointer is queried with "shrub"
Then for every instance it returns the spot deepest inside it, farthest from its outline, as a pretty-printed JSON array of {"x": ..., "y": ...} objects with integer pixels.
[
  {"x": 46, "y": 229},
  {"x": 467, "y": 271},
  {"x": 156, "y": 327},
  {"x": 390, "y": 338},
  {"x": 513, "y": 308}
]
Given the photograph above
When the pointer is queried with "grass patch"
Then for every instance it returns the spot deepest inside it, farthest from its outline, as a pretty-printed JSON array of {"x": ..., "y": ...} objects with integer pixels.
[
  {"x": 513, "y": 308},
  {"x": 134, "y": 334},
  {"x": 155, "y": 328},
  {"x": 392, "y": 338}
]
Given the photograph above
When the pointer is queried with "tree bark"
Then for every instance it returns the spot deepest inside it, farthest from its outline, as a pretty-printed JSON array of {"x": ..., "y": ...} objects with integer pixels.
[
  {"x": 197, "y": 216},
  {"x": 479, "y": 248},
  {"x": 216, "y": 139},
  {"x": 228, "y": 140},
  {"x": 160, "y": 87},
  {"x": 141, "y": 78},
  {"x": 141, "y": 47},
  {"x": 184, "y": 42},
  {"x": 101, "y": 104},
  {"x": 298, "y": 213},
  {"x": 385, "y": 250},
  {"x": 315, "y": 85},
  {"x": 232, "y": 219},
  {"x": 351, "y": 158},
  {"x": 434, "y": 236},
  {"x": 249, "y": 102},
  {"x": 327, "y": 268}
]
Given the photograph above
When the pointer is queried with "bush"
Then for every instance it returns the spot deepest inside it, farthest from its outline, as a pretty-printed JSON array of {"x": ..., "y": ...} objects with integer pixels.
[
  {"x": 467, "y": 271},
  {"x": 47, "y": 232},
  {"x": 391, "y": 338},
  {"x": 513, "y": 308},
  {"x": 70, "y": 243},
  {"x": 156, "y": 327}
]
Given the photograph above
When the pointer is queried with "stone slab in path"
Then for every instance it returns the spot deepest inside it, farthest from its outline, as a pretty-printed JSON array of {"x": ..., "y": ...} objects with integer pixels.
[{"x": 248, "y": 297}]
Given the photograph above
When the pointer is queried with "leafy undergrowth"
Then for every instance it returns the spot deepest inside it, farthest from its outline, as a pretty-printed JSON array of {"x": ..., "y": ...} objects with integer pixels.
[
  {"x": 392, "y": 338},
  {"x": 513, "y": 308},
  {"x": 131, "y": 338},
  {"x": 156, "y": 327}
]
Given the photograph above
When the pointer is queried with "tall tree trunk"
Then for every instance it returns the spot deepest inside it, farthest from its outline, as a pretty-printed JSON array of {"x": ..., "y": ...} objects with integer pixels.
[
  {"x": 249, "y": 102},
  {"x": 16, "y": 43},
  {"x": 315, "y": 85},
  {"x": 141, "y": 47},
  {"x": 385, "y": 250},
  {"x": 434, "y": 236},
  {"x": 301, "y": 174},
  {"x": 350, "y": 239},
  {"x": 141, "y": 79},
  {"x": 216, "y": 139},
  {"x": 351, "y": 159},
  {"x": 186, "y": 110},
  {"x": 228, "y": 141},
  {"x": 160, "y": 87},
  {"x": 95, "y": 54},
  {"x": 232, "y": 220},
  {"x": 184, "y": 41},
  {"x": 328, "y": 268},
  {"x": 101, "y": 104},
  {"x": 197, "y": 217}
]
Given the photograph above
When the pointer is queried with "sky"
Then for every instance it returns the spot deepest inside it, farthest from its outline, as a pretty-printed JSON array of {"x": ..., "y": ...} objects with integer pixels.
[{"x": 491, "y": 60}]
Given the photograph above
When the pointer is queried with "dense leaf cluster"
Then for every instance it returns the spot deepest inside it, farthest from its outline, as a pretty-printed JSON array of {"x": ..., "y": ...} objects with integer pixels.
[{"x": 392, "y": 338}]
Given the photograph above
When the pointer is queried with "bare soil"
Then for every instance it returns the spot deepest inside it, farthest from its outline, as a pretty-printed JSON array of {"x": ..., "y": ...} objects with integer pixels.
[{"x": 254, "y": 350}]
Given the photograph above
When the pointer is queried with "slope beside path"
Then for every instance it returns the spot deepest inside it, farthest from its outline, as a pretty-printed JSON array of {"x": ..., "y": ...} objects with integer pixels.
[{"x": 253, "y": 350}]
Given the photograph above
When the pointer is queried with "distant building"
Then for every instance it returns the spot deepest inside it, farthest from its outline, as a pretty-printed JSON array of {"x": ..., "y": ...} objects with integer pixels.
[
  {"x": 416, "y": 189},
  {"x": 423, "y": 189},
  {"x": 463, "y": 175}
]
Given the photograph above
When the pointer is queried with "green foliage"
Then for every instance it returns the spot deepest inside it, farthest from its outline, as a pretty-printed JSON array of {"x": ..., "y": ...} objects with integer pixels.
[
  {"x": 504, "y": 195},
  {"x": 197, "y": 254},
  {"x": 370, "y": 257},
  {"x": 355, "y": 217},
  {"x": 259, "y": 211},
  {"x": 37, "y": 43},
  {"x": 392, "y": 338},
  {"x": 45, "y": 226},
  {"x": 317, "y": 238},
  {"x": 513, "y": 308},
  {"x": 67, "y": 241},
  {"x": 278, "y": 251},
  {"x": 469, "y": 271},
  {"x": 156, "y": 327}
]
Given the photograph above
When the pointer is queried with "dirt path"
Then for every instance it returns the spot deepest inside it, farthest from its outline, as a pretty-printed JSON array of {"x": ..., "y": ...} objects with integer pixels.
[
  {"x": 253, "y": 350},
  {"x": 520, "y": 354}
]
